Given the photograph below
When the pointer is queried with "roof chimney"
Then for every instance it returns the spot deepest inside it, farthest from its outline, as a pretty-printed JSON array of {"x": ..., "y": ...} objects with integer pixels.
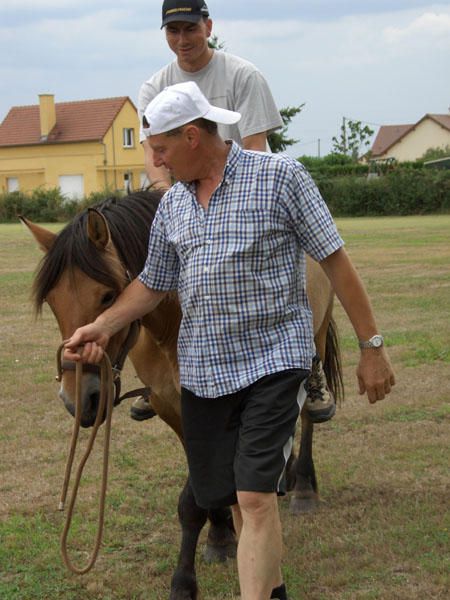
[{"x": 47, "y": 114}]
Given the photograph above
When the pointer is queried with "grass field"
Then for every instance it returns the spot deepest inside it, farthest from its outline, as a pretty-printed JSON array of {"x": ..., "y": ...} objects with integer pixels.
[{"x": 382, "y": 531}]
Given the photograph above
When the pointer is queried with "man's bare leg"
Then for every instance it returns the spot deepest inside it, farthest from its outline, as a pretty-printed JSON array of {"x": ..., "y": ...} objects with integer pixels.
[{"x": 258, "y": 526}]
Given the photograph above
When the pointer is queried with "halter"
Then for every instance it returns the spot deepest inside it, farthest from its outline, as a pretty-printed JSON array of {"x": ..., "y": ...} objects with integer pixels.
[{"x": 133, "y": 332}]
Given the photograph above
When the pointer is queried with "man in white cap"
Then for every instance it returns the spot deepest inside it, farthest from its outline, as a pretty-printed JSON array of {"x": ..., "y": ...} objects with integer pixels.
[{"x": 230, "y": 236}]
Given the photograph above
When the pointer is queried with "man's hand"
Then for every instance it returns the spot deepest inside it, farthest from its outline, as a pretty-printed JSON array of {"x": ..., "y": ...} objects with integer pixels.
[
  {"x": 375, "y": 374},
  {"x": 87, "y": 344}
]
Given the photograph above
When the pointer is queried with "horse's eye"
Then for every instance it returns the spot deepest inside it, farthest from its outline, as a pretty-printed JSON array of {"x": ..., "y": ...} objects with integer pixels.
[{"x": 108, "y": 298}]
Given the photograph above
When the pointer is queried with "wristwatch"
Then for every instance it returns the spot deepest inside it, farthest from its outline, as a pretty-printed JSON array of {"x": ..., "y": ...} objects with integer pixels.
[{"x": 376, "y": 341}]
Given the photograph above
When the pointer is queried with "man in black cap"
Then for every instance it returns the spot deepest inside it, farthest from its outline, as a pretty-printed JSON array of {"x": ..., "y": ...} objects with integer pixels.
[
  {"x": 227, "y": 80},
  {"x": 232, "y": 83}
]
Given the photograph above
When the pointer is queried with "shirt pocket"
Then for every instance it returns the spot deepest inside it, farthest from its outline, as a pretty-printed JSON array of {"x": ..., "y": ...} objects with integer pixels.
[{"x": 254, "y": 236}]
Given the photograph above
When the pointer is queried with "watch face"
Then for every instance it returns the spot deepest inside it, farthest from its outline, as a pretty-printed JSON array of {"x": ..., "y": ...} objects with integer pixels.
[{"x": 377, "y": 341}]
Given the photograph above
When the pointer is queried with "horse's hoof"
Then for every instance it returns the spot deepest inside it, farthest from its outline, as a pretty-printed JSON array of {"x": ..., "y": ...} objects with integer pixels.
[
  {"x": 184, "y": 595},
  {"x": 301, "y": 506},
  {"x": 183, "y": 587},
  {"x": 219, "y": 554}
]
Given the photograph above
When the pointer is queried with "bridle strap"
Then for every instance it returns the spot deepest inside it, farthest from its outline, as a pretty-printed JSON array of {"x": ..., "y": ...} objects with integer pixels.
[
  {"x": 130, "y": 340},
  {"x": 68, "y": 365}
]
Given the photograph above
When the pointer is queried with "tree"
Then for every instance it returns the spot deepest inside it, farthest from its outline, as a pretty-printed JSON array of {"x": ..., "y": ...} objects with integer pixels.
[
  {"x": 213, "y": 42},
  {"x": 435, "y": 153},
  {"x": 353, "y": 138},
  {"x": 278, "y": 141}
]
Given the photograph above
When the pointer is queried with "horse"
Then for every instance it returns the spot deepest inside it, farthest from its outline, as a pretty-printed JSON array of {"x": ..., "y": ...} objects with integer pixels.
[{"x": 84, "y": 269}]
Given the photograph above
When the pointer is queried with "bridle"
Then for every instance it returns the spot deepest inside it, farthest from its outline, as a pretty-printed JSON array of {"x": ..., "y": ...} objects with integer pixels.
[{"x": 130, "y": 340}]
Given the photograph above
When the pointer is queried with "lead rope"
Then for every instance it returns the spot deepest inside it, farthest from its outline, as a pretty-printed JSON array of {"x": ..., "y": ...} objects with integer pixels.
[{"x": 106, "y": 398}]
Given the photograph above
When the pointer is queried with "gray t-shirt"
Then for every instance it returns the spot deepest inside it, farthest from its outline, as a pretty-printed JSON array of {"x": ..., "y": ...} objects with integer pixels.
[{"x": 229, "y": 82}]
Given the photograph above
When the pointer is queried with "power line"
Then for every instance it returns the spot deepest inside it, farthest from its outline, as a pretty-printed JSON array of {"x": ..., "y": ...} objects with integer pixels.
[
  {"x": 365, "y": 122},
  {"x": 307, "y": 143}
]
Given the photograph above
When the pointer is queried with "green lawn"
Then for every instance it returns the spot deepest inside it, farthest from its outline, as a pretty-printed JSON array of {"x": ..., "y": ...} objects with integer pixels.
[{"x": 382, "y": 531}]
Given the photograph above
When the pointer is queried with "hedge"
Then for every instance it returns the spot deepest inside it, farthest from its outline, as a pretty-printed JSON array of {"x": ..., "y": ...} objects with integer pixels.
[
  {"x": 45, "y": 206},
  {"x": 400, "y": 192},
  {"x": 403, "y": 191}
]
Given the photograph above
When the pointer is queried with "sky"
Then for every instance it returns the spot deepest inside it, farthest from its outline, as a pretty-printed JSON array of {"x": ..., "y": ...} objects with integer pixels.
[{"x": 382, "y": 62}]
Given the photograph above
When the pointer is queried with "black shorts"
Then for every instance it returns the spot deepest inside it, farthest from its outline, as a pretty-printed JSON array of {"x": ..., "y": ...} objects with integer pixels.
[{"x": 242, "y": 441}]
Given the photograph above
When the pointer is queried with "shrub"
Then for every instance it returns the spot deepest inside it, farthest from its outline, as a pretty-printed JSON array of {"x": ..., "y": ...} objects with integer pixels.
[
  {"x": 405, "y": 190},
  {"x": 45, "y": 206},
  {"x": 333, "y": 165},
  {"x": 400, "y": 192},
  {"x": 41, "y": 205}
]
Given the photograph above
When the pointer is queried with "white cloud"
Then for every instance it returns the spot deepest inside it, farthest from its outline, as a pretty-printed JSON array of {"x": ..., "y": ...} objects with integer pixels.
[
  {"x": 382, "y": 67},
  {"x": 43, "y": 5},
  {"x": 346, "y": 67},
  {"x": 429, "y": 25}
]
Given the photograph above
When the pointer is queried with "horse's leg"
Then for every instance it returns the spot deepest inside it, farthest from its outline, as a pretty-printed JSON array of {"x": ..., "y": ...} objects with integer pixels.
[
  {"x": 221, "y": 542},
  {"x": 305, "y": 497},
  {"x": 301, "y": 472},
  {"x": 192, "y": 519}
]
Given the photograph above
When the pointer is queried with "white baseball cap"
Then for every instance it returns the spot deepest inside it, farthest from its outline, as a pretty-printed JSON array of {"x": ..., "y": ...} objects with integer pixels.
[{"x": 182, "y": 103}]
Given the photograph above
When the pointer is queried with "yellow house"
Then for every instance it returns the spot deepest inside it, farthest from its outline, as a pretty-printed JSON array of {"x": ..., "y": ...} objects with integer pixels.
[
  {"x": 81, "y": 147},
  {"x": 410, "y": 142}
]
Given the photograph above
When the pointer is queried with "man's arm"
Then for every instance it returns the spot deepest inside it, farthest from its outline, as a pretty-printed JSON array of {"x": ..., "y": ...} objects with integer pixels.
[
  {"x": 258, "y": 141},
  {"x": 375, "y": 374},
  {"x": 159, "y": 177},
  {"x": 133, "y": 303}
]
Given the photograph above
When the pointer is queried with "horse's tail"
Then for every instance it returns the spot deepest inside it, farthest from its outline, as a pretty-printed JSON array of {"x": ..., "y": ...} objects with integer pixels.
[{"x": 332, "y": 365}]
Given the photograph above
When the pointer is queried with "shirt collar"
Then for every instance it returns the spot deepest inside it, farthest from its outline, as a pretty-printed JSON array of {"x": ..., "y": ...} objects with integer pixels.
[{"x": 234, "y": 156}]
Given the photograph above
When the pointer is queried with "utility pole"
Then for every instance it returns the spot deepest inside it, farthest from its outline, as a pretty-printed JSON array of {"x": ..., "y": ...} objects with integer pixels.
[
  {"x": 318, "y": 148},
  {"x": 344, "y": 135}
]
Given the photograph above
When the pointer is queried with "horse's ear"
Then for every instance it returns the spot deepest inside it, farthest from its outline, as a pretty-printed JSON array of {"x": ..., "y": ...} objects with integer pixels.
[
  {"x": 44, "y": 237},
  {"x": 97, "y": 229}
]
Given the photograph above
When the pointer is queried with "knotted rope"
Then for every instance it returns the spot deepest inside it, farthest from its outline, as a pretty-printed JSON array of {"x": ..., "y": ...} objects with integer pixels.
[{"x": 106, "y": 399}]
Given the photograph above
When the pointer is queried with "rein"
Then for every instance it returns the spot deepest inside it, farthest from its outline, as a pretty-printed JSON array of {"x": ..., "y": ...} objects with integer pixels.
[
  {"x": 110, "y": 385},
  {"x": 106, "y": 400}
]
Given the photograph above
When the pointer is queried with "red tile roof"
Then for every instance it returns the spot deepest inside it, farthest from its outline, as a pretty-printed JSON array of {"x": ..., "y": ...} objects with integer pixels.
[
  {"x": 388, "y": 135},
  {"x": 443, "y": 120},
  {"x": 80, "y": 121}
]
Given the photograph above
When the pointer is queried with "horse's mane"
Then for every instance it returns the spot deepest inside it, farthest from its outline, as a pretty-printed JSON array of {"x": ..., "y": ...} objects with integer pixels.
[{"x": 129, "y": 219}]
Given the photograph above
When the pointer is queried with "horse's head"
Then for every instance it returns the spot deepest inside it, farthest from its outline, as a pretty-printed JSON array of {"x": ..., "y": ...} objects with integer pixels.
[{"x": 80, "y": 276}]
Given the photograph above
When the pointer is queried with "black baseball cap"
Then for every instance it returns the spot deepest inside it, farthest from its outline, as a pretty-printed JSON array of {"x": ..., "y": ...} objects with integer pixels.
[{"x": 183, "y": 10}]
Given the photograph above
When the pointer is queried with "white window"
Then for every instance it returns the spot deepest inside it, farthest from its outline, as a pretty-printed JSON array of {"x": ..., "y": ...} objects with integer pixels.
[
  {"x": 71, "y": 186},
  {"x": 128, "y": 137},
  {"x": 143, "y": 179},
  {"x": 128, "y": 182},
  {"x": 12, "y": 184}
]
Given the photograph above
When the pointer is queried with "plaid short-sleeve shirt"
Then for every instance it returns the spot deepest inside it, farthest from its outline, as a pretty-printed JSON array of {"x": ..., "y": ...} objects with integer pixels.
[{"x": 239, "y": 269}]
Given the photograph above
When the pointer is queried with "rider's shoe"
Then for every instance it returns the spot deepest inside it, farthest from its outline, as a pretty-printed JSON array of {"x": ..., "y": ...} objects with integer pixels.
[
  {"x": 141, "y": 409},
  {"x": 320, "y": 403}
]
